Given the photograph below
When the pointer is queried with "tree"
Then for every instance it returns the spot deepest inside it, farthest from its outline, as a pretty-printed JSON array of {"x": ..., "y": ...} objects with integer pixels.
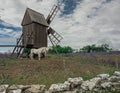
[
  {"x": 86, "y": 48},
  {"x": 94, "y": 48},
  {"x": 105, "y": 47},
  {"x": 60, "y": 49}
]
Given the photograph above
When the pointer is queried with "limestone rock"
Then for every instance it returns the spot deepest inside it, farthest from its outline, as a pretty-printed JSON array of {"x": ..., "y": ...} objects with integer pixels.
[
  {"x": 103, "y": 76},
  {"x": 75, "y": 81},
  {"x": 90, "y": 84},
  {"x": 3, "y": 88},
  {"x": 67, "y": 84},
  {"x": 74, "y": 91},
  {"x": 13, "y": 87},
  {"x": 59, "y": 87},
  {"x": 117, "y": 73},
  {"x": 36, "y": 89},
  {"x": 116, "y": 85},
  {"x": 106, "y": 85},
  {"x": 15, "y": 91},
  {"x": 114, "y": 78}
]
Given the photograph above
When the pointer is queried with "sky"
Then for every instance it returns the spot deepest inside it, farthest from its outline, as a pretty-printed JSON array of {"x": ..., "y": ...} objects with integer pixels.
[{"x": 80, "y": 22}]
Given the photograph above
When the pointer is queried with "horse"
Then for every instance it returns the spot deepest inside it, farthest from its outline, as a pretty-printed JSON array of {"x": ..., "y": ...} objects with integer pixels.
[{"x": 39, "y": 52}]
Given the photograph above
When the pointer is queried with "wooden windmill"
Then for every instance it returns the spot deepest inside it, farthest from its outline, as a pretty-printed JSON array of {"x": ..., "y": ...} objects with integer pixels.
[{"x": 35, "y": 31}]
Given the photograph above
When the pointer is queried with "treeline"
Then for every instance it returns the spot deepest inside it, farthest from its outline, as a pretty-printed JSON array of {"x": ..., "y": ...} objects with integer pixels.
[
  {"x": 68, "y": 49},
  {"x": 88, "y": 49}
]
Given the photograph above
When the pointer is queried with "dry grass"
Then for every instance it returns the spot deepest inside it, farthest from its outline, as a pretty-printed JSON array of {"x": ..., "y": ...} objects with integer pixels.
[{"x": 55, "y": 69}]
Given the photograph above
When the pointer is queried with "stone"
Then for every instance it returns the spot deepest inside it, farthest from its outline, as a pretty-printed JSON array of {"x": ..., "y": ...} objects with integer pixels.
[
  {"x": 96, "y": 79},
  {"x": 13, "y": 87},
  {"x": 75, "y": 81},
  {"x": 117, "y": 73},
  {"x": 46, "y": 91},
  {"x": 96, "y": 90},
  {"x": 59, "y": 87},
  {"x": 18, "y": 88},
  {"x": 90, "y": 84},
  {"x": 103, "y": 76},
  {"x": 23, "y": 87},
  {"x": 36, "y": 89},
  {"x": 74, "y": 91},
  {"x": 15, "y": 91},
  {"x": 3, "y": 88},
  {"x": 67, "y": 84},
  {"x": 114, "y": 78},
  {"x": 106, "y": 85},
  {"x": 116, "y": 85},
  {"x": 87, "y": 85},
  {"x": 54, "y": 88}
]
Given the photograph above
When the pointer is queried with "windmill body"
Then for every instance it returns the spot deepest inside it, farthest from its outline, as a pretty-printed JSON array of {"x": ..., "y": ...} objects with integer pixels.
[{"x": 36, "y": 31}]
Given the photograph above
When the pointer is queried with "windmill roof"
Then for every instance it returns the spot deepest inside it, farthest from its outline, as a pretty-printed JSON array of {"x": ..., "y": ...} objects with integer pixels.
[{"x": 36, "y": 17}]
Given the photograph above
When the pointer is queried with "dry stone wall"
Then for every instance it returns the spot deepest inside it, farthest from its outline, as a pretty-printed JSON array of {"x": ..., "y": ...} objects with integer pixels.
[{"x": 102, "y": 83}]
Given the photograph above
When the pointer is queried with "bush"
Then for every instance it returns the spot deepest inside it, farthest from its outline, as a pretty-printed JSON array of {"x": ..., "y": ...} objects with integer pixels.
[
  {"x": 65, "y": 49},
  {"x": 94, "y": 48},
  {"x": 26, "y": 50}
]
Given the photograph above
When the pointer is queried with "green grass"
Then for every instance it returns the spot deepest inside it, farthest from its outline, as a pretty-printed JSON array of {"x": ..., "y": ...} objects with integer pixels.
[{"x": 54, "y": 69}]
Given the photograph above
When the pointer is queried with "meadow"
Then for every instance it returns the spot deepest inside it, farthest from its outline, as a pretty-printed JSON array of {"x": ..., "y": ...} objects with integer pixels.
[{"x": 56, "y": 68}]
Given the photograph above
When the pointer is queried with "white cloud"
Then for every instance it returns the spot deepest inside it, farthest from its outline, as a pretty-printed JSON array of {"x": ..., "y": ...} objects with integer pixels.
[
  {"x": 93, "y": 21},
  {"x": 14, "y": 9},
  {"x": 10, "y": 32}
]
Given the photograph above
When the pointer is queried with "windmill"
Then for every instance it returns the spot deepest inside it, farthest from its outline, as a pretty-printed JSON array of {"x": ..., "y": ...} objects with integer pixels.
[{"x": 35, "y": 31}]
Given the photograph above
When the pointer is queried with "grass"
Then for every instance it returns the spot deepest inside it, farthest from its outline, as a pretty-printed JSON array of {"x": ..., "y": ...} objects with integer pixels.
[{"x": 55, "y": 69}]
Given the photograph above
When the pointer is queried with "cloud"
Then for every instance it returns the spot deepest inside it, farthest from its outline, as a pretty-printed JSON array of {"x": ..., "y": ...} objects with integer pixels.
[
  {"x": 14, "y": 9},
  {"x": 9, "y": 33},
  {"x": 93, "y": 21},
  {"x": 69, "y": 6},
  {"x": 8, "y": 30},
  {"x": 88, "y": 22}
]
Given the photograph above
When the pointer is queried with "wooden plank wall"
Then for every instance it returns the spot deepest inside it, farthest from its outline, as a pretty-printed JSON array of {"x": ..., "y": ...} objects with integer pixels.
[
  {"x": 27, "y": 37},
  {"x": 40, "y": 36}
]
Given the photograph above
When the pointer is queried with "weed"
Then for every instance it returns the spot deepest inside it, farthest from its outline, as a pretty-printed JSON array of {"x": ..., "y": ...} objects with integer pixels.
[{"x": 6, "y": 79}]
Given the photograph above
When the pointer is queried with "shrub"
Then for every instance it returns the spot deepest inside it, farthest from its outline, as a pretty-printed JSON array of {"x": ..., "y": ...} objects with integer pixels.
[{"x": 60, "y": 49}]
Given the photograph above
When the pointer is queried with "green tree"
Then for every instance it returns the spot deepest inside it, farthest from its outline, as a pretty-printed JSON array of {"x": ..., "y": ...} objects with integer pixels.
[
  {"x": 60, "y": 49},
  {"x": 94, "y": 48}
]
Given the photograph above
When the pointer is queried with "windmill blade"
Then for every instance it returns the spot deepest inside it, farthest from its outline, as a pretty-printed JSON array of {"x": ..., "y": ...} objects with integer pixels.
[
  {"x": 53, "y": 45},
  {"x": 54, "y": 36},
  {"x": 50, "y": 31},
  {"x": 52, "y": 14},
  {"x": 54, "y": 11}
]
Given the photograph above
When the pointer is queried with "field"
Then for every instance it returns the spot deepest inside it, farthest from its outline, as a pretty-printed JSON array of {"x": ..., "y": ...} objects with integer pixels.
[{"x": 56, "y": 69}]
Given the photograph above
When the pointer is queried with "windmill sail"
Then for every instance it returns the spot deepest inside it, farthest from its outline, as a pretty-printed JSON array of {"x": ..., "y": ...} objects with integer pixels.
[
  {"x": 52, "y": 14},
  {"x": 54, "y": 37}
]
